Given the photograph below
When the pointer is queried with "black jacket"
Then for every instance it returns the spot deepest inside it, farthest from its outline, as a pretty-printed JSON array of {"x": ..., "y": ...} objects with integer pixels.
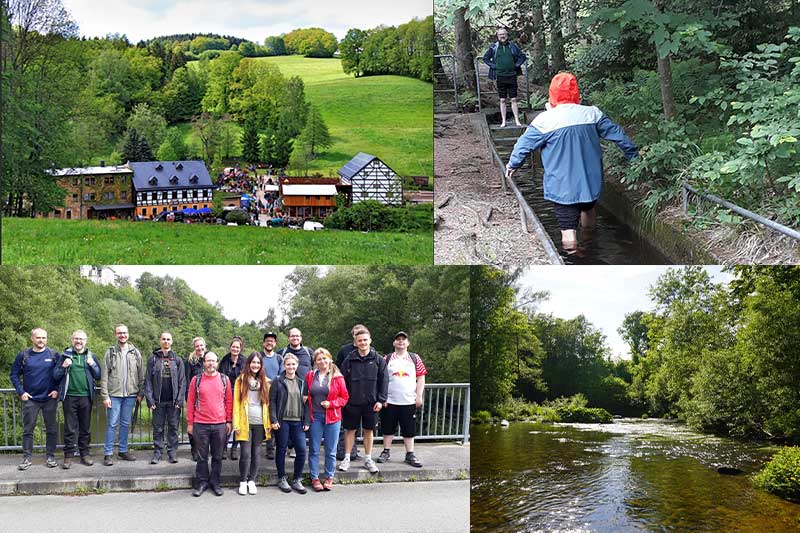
[
  {"x": 305, "y": 358},
  {"x": 367, "y": 378},
  {"x": 278, "y": 392},
  {"x": 344, "y": 351},
  {"x": 192, "y": 370},
  {"x": 152, "y": 379},
  {"x": 61, "y": 374},
  {"x": 227, "y": 367}
]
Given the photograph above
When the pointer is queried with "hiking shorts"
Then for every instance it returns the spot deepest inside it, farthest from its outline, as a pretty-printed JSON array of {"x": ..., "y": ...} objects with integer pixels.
[
  {"x": 352, "y": 415},
  {"x": 507, "y": 86},
  {"x": 405, "y": 415},
  {"x": 568, "y": 215}
]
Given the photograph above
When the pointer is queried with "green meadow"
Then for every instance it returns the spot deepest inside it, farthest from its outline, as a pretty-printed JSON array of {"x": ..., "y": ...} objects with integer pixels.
[{"x": 77, "y": 242}]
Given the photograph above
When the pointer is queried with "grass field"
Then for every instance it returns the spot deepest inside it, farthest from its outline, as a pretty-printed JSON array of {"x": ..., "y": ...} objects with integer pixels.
[{"x": 79, "y": 242}]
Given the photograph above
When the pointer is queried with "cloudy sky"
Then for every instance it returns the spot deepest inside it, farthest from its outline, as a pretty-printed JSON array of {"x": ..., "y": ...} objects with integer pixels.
[
  {"x": 250, "y": 19},
  {"x": 245, "y": 292},
  {"x": 603, "y": 294}
]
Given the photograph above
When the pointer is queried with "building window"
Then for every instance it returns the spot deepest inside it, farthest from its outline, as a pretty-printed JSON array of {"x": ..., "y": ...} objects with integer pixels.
[
  {"x": 123, "y": 195},
  {"x": 74, "y": 197},
  {"x": 108, "y": 195},
  {"x": 108, "y": 180},
  {"x": 75, "y": 181},
  {"x": 86, "y": 197},
  {"x": 195, "y": 193},
  {"x": 91, "y": 196},
  {"x": 174, "y": 195},
  {"x": 122, "y": 179}
]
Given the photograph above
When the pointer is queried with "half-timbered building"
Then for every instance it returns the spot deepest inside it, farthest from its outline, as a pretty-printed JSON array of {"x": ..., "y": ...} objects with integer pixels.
[
  {"x": 372, "y": 179},
  {"x": 161, "y": 186}
]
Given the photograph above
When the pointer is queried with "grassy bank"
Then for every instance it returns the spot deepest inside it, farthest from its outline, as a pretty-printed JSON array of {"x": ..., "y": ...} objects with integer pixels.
[
  {"x": 76, "y": 242},
  {"x": 572, "y": 409}
]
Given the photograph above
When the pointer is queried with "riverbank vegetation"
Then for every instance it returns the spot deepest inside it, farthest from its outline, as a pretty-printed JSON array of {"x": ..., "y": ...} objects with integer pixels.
[
  {"x": 572, "y": 409},
  {"x": 781, "y": 476}
]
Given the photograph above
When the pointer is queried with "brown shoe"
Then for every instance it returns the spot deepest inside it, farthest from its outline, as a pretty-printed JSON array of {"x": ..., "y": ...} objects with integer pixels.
[
  {"x": 86, "y": 460},
  {"x": 316, "y": 485},
  {"x": 328, "y": 483},
  {"x": 67, "y": 463},
  {"x": 126, "y": 456},
  {"x": 108, "y": 460}
]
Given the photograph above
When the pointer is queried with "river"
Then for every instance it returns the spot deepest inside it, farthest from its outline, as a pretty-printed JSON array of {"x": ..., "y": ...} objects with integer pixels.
[{"x": 632, "y": 475}]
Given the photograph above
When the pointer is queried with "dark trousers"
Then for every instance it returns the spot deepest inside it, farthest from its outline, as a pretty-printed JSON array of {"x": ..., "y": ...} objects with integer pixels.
[
  {"x": 30, "y": 412},
  {"x": 209, "y": 436},
  {"x": 77, "y": 420},
  {"x": 169, "y": 414},
  {"x": 248, "y": 461},
  {"x": 340, "y": 446},
  {"x": 290, "y": 431}
]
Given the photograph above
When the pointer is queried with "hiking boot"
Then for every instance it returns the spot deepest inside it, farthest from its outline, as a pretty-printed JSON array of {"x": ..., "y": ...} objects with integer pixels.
[
  {"x": 298, "y": 486},
  {"x": 156, "y": 459},
  {"x": 86, "y": 460},
  {"x": 199, "y": 490},
  {"x": 412, "y": 460},
  {"x": 67, "y": 463},
  {"x": 251, "y": 487},
  {"x": 107, "y": 460},
  {"x": 126, "y": 456},
  {"x": 384, "y": 456},
  {"x": 171, "y": 458},
  {"x": 51, "y": 462},
  {"x": 344, "y": 466},
  {"x": 328, "y": 483},
  {"x": 284, "y": 485},
  {"x": 369, "y": 465},
  {"x": 243, "y": 488},
  {"x": 25, "y": 464},
  {"x": 271, "y": 454},
  {"x": 217, "y": 490},
  {"x": 316, "y": 485},
  {"x": 234, "y": 454}
]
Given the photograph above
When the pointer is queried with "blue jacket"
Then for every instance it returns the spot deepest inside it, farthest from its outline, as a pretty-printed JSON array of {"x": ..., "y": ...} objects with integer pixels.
[
  {"x": 61, "y": 375},
  {"x": 516, "y": 53},
  {"x": 36, "y": 374},
  {"x": 569, "y": 136}
]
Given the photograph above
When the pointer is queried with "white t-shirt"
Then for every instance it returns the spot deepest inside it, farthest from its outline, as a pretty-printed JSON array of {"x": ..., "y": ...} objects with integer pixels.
[{"x": 403, "y": 378}]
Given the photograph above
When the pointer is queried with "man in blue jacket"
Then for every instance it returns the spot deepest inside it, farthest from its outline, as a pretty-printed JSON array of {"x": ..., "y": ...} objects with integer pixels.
[
  {"x": 75, "y": 372},
  {"x": 505, "y": 61},
  {"x": 569, "y": 135},
  {"x": 32, "y": 377}
]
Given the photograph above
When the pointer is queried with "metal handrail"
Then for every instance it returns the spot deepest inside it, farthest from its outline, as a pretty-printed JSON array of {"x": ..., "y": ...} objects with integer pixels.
[
  {"x": 454, "y": 90},
  {"x": 780, "y": 228},
  {"x": 444, "y": 415}
]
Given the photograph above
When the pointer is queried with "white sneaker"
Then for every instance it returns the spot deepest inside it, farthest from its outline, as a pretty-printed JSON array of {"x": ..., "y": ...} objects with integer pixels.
[
  {"x": 251, "y": 487},
  {"x": 369, "y": 465},
  {"x": 344, "y": 466},
  {"x": 243, "y": 488}
]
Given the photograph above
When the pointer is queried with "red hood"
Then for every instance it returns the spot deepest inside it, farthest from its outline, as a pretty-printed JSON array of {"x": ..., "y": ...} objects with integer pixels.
[{"x": 564, "y": 89}]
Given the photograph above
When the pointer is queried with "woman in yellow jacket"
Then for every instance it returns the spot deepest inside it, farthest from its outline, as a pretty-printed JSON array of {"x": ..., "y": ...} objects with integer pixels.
[{"x": 251, "y": 423}]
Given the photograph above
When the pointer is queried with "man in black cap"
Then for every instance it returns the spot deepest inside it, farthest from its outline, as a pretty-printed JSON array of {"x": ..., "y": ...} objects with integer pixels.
[
  {"x": 406, "y": 394},
  {"x": 272, "y": 362}
]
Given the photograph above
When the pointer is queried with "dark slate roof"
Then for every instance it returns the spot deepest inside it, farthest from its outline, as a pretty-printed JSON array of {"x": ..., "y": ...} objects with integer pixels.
[
  {"x": 158, "y": 175},
  {"x": 355, "y": 165}
]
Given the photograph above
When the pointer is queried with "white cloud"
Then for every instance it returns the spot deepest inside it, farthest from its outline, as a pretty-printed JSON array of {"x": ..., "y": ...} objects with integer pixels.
[{"x": 253, "y": 20}]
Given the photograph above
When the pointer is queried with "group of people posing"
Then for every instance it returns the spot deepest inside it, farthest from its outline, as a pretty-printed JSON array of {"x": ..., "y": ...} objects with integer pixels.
[{"x": 277, "y": 396}]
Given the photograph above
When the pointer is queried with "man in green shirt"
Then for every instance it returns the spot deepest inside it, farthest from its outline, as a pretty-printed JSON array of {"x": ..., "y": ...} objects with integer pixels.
[
  {"x": 76, "y": 371},
  {"x": 505, "y": 60}
]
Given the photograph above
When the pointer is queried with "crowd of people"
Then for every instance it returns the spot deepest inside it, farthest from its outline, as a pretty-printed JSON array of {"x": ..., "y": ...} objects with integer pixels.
[{"x": 279, "y": 396}]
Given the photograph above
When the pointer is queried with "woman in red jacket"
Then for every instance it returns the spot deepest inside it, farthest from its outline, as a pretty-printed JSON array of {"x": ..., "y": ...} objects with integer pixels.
[{"x": 327, "y": 394}]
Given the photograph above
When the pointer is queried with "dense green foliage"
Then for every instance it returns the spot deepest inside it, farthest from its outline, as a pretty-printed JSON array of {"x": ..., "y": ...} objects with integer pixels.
[
  {"x": 79, "y": 242},
  {"x": 723, "y": 358},
  {"x": 781, "y": 476},
  {"x": 406, "y": 50},
  {"x": 372, "y": 215},
  {"x": 429, "y": 303},
  {"x": 311, "y": 42}
]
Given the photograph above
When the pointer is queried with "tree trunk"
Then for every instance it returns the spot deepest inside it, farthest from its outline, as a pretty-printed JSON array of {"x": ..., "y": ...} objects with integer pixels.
[
  {"x": 464, "y": 57},
  {"x": 558, "y": 63},
  {"x": 665, "y": 80},
  {"x": 539, "y": 44}
]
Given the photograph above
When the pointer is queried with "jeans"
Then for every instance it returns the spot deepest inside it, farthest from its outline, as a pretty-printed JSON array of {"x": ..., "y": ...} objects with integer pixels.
[
  {"x": 209, "y": 436},
  {"x": 165, "y": 412},
  {"x": 119, "y": 415},
  {"x": 77, "y": 420},
  {"x": 30, "y": 412},
  {"x": 290, "y": 431},
  {"x": 248, "y": 461},
  {"x": 316, "y": 432}
]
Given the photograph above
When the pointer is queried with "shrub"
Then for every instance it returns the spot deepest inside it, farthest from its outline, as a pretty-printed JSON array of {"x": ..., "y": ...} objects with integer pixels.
[
  {"x": 238, "y": 216},
  {"x": 591, "y": 415},
  {"x": 781, "y": 476},
  {"x": 371, "y": 215},
  {"x": 482, "y": 417}
]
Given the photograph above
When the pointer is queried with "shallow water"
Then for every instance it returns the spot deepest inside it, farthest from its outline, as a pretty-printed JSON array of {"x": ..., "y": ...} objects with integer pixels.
[{"x": 632, "y": 475}]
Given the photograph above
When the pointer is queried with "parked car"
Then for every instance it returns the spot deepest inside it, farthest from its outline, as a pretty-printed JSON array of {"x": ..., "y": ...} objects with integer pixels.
[{"x": 310, "y": 225}]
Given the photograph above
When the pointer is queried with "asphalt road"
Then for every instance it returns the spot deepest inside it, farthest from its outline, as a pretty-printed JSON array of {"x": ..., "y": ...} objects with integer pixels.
[{"x": 439, "y": 506}]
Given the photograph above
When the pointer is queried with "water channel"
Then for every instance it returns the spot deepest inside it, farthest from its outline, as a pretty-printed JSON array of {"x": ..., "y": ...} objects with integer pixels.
[{"x": 632, "y": 475}]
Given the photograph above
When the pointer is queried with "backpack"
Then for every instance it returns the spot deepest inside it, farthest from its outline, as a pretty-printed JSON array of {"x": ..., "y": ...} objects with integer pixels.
[
  {"x": 222, "y": 377},
  {"x": 113, "y": 350},
  {"x": 414, "y": 358},
  {"x": 26, "y": 354}
]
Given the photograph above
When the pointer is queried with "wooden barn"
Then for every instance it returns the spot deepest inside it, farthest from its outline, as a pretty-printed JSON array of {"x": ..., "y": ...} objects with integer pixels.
[
  {"x": 307, "y": 197},
  {"x": 372, "y": 179},
  {"x": 162, "y": 186}
]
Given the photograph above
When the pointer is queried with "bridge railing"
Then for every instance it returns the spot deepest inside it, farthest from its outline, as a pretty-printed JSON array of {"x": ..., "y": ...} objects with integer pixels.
[{"x": 444, "y": 416}]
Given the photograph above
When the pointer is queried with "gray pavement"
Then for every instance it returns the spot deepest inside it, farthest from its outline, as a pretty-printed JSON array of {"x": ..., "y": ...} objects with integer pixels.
[
  {"x": 441, "y": 461},
  {"x": 441, "y": 507}
]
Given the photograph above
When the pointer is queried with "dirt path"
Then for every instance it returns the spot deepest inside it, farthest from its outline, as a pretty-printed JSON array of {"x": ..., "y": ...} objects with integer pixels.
[{"x": 476, "y": 222}]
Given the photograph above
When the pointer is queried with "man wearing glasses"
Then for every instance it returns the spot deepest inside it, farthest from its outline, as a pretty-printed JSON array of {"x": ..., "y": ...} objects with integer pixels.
[{"x": 122, "y": 387}]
